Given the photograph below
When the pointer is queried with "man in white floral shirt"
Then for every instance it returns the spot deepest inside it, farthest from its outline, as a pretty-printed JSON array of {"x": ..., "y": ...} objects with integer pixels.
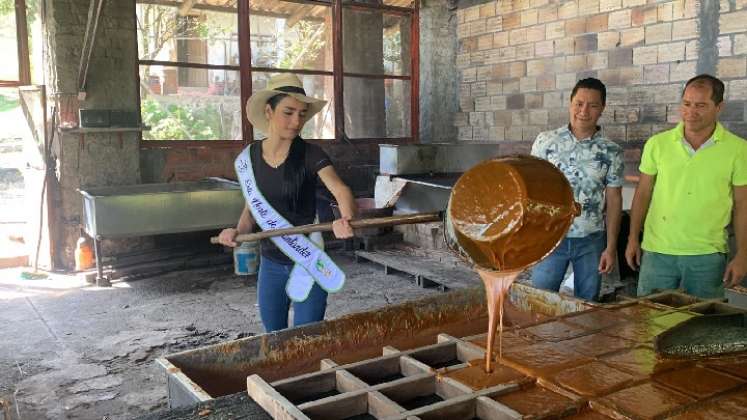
[{"x": 594, "y": 167}]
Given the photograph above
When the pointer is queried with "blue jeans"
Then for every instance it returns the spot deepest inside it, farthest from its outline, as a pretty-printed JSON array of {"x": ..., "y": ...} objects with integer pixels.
[
  {"x": 698, "y": 275},
  {"x": 274, "y": 302},
  {"x": 584, "y": 253}
]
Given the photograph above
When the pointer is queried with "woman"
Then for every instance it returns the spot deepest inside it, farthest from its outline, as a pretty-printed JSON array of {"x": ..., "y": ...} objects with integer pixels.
[{"x": 279, "y": 176}]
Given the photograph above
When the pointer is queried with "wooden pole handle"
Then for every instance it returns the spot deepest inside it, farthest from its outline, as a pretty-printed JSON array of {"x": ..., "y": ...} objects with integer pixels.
[{"x": 405, "y": 219}]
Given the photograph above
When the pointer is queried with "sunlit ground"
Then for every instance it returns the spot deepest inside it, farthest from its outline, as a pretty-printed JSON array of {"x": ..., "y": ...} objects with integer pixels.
[
  {"x": 15, "y": 283},
  {"x": 13, "y": 210}
]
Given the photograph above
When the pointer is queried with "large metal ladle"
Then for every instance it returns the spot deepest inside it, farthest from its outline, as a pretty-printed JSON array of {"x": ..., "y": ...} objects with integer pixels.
[{"x": 504, "y": 215}]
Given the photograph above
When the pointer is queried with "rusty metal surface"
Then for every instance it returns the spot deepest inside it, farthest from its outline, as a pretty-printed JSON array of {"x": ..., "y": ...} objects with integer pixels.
[{"x": 201, "y": 374}]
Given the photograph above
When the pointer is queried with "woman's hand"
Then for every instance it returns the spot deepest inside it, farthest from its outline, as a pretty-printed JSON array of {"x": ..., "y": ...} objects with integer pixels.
[
  {"x": 342, "y": 229},
  {"x": 227, "y": 237}
]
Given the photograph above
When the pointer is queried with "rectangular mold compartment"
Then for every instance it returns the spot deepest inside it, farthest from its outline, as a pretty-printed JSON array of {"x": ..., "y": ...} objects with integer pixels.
[
  {"x": 316, "y": 386},
  {"x": 378, "y": 371},
  {"x": 522, "y": 402},
  {"x": 358, "y": 406},
  {"x": 737, "y": 296},
  {"x": 480, "y": 408},
  {"x": 672, "y": 299},
  {"x": 438, "y": 357},
  {"x": 713, "y": 308},
  {"x": 421, "y": 391}
]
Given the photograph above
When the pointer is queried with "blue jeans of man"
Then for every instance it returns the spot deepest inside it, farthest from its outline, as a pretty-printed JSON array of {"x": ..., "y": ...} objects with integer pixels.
[
  {"x": 274, "y": 302},
  {"x": 583, "y": 253},
  {"x": 698, "y": 275}
]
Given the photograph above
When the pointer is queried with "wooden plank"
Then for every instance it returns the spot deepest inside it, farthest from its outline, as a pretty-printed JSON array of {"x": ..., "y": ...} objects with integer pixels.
[
  {"x": 380, "y": 406},
  {"x": 238, "y": 406},
  {"x": 467, "y": 351},
  {"x": 463, "y": 407},
  {"x": 337, "y": 407},
  {"x": 426, "y": 270},
  {"x": 271, "y": 401},
  {"x": 245, "y": 61},
  {"x": 408, "y": 390},
  {"x": 415, "y": 72},
  {"x": 373, "y": 222},
  {"x": 389, "y": 350},
  {"x": 437, "y": 355},
  {"x": 347, "y": 382},
  {"x": 337, "y": 68},
  {"x": 448, "y": 388},
  {"x": 379, "y": 369},
  {"x": 412, "y": 367},
  {"x": 327, "y": 364},
  {"x": 488, "y": 408},
  {"x": 306, "y": 386}
]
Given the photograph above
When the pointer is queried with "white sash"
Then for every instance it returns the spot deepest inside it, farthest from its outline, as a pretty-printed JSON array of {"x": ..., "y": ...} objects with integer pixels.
[{"x": 311, "y": 262}]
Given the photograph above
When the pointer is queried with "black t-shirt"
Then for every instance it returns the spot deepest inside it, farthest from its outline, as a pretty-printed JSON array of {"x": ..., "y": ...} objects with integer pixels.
[{"x": 292, "y": 194}]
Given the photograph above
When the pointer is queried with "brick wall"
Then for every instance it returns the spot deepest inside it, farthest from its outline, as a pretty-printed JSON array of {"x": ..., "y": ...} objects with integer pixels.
[
  {"x": 518, "y": 61},
  {"x": 356, "y": 164}
]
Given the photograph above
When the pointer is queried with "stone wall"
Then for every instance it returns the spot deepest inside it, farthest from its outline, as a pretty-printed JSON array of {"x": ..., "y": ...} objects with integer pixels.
[
  {"x": 91, "y": 159},
  {"x": 518, "y": 61},
  {"x": 438, "y": 81}
]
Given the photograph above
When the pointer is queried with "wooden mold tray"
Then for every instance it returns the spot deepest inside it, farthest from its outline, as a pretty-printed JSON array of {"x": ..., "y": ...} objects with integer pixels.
[
  {"x": 594, "y": 364},
  {"x": 413, "y": 384}
]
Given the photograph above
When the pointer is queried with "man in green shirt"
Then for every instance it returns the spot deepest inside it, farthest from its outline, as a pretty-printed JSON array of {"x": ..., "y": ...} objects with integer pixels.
[{"x": 692, "y": 177}]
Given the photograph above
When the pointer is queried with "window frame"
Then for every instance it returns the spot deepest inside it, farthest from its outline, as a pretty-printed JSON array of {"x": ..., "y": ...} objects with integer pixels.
[
  {"x": 22, "y": 48},
  {"x": 246, "y": 70}
]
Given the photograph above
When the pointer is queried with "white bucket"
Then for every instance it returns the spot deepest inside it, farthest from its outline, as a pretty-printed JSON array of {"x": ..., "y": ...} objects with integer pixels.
[{"x": 246, "y": 258}]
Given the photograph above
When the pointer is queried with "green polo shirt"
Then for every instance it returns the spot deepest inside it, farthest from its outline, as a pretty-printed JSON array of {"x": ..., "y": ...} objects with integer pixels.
[{"x": 692, "y": 198}]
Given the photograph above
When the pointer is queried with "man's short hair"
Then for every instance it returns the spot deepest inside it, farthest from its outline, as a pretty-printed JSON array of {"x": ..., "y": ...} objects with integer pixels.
[
  {"x": 591, "y": 83},
  {"x": 717, "y": 86}
]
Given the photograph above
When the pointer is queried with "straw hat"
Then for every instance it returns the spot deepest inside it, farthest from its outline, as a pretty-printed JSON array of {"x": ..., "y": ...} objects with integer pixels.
[{"x": 284, "y": 83}]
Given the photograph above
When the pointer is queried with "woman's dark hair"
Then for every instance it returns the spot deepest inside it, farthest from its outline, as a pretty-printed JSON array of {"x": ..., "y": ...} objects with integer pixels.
[
  {"x": 275, "y": 100},
  {"x": 294, "y": 171}
]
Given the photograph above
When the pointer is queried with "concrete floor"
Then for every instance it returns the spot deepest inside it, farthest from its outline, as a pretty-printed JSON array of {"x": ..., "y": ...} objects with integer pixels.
[{"x": 70, "y": 350}]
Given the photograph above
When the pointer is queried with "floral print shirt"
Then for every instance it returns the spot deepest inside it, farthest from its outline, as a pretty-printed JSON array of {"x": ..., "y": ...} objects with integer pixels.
[{"x": 591, "y": 165}]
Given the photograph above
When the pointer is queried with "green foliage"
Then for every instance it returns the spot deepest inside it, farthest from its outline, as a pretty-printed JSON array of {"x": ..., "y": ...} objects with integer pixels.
[
  {"x": 8, "y": 7},
  {"x": 303, "y": 51},
  {"x": 7, "y": 103},
  {"x": 175, "y": 122},
  {"x": 393, "y": 52}
]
